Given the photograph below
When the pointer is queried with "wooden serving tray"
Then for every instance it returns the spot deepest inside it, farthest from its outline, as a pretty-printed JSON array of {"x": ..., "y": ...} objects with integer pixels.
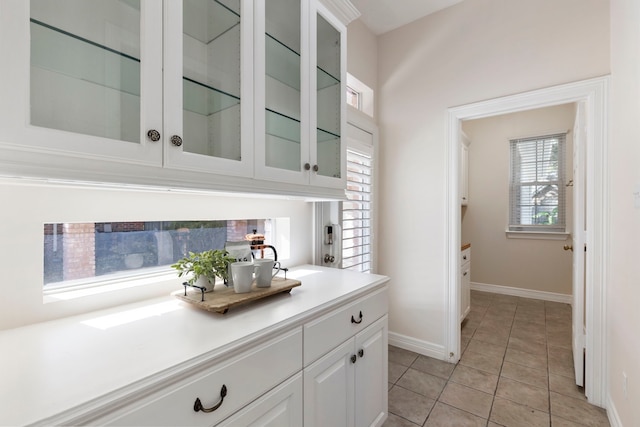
[{"x": 223, "y": 298}]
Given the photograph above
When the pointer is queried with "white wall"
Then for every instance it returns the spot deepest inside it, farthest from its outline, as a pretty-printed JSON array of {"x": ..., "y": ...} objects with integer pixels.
[
  {"x": 362, "y": 56},
  {"x": 498, "y": 260},
  {"x": 27, "y": 206},
  {"x": 623, "y": 293},
  {"x": 473, "y": 51},
  {"x": 362, "y": 53}
]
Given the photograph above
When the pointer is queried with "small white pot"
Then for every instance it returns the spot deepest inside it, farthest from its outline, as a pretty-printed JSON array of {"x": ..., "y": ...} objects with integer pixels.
[{"x": 203, "y": 282}]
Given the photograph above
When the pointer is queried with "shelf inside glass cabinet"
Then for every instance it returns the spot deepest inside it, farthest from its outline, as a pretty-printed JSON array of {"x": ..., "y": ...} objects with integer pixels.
[
  {"x": 206, "y": 21},
  {"x": 326, "y": 136},
  {"x": 282, "y": 126},
  {"x": 283, "y": 64},
  {"x": 325, "y": 79},
  {"x": 59, "y": 51},
  {"x": 205, "y": 100}
]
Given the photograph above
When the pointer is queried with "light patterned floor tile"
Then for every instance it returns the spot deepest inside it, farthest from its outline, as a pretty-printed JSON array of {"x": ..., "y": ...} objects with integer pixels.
[
  {"x": 467, "y": 399},
  {"x": 409, "y": 405},
  {"x": 433, "y": 366},
  {"x": 511, "y": 414},
  {"x": 524, "y": 394},
  {"x": 516, "y": 370},
  {"x": 444, "y": 415},
  {"x": 422, "y": 383}
]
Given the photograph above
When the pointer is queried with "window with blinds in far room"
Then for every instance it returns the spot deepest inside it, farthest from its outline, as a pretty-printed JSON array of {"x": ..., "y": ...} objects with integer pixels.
[
  {"x": 356, "y": 211},
  {"x": 537, "y": 190}
]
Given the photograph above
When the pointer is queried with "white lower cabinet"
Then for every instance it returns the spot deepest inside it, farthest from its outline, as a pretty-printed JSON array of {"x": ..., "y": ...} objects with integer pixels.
[
  {"x": 209, "y": 396},
  {"x": 281, "y": 407},
  {"x": 303, "y": 377},
  {"x": 348, "y": 386}
]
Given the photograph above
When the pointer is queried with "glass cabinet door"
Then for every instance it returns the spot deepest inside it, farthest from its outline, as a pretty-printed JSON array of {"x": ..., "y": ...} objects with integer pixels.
[
  {"x": 283, "y": 85},
  {"x": 211, "y": 78},
  {"x": 207, "y": 89},
  {"x": 85, "y": 67},
  {"x": 329, "y": 99},
  {"x": 82, "y": 77}
]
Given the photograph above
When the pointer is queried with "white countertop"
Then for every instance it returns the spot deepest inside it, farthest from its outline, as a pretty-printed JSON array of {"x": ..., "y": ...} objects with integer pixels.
[{"x": 51, "y": 368}]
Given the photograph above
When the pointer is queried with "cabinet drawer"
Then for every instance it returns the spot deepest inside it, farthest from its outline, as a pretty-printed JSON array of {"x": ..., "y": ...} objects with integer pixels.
[
  {"x": 245, "y": 377},
  {"x": 465, "y": 256},
  {"x": 325, "y": 333},
  {"x": 281, "y": 407}
]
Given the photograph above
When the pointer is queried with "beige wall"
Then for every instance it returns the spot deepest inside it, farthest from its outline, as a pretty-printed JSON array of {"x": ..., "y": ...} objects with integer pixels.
[
  {"x": 539, "y": 265},
  {"x": 362, "y": 56},
  {"x": 473, "y": 51},
  {"x": 623, "y": 285}
]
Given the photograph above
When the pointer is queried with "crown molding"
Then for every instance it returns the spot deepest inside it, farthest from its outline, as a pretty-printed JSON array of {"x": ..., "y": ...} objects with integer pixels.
[{"x": 344, "y": 10}]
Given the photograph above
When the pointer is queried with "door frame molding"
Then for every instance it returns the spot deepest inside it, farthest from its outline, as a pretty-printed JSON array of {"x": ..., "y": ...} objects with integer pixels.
[{"x": 594, "y": 94}]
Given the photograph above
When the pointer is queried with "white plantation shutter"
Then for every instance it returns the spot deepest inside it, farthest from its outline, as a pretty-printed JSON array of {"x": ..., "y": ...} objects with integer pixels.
[
  {"x": 537, "y": 190},
  {"x": 356, "y": 211}
]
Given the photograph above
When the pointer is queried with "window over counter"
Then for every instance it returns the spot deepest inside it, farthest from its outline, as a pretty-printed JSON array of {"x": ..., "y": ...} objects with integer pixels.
[
  {"x": 93, "y": 254},
  {"x": 537, "y": 184}
]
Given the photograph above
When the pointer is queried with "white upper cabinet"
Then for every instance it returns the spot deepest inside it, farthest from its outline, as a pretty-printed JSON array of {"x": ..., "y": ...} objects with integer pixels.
[
  {"x": 300, "y": 93},
  {"x": 208, "y": 86},
  {"x": 329, "y": 63},
  {"x": 82, "y": 77},
  {"x": 193, "y": 91}
]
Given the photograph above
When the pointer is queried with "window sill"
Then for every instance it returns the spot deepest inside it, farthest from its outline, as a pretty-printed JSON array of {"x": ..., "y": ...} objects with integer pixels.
[
  {"x": 113, "y": 287},
  {"x": 537, "y": 235}
]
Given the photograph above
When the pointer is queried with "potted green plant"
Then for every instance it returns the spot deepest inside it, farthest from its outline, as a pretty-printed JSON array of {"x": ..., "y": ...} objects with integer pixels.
[{"x": 203, "y": 268}]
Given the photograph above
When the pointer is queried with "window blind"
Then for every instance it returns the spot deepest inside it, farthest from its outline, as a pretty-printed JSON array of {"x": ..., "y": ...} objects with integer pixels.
[
  {"x": 356, "y": 211},
  {"x": 537, "y": 190}
]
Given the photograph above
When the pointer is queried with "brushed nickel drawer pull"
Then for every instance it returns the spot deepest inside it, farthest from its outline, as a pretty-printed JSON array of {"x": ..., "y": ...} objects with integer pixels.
[
  {"x": 197, "y": 406},
  {"x": 353, "y": 320}
]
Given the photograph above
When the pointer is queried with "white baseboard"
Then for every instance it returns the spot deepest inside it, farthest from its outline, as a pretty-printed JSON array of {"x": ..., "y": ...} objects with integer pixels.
[
  {"x": 421, "y": 347},
  {"x": 519, "y": 292},
  {"x": 612, "y": 414}
]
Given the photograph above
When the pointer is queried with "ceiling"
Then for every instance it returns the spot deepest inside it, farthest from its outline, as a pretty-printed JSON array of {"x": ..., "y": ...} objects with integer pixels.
[{"x": 381, "y": 16}]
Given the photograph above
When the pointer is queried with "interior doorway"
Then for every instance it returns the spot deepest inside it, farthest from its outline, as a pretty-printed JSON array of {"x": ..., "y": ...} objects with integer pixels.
[{"x": 593, "y": 95}]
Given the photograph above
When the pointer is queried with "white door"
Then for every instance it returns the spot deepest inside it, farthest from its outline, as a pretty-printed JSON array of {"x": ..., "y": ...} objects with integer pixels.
[
  {"x": 329, "y": 389},
  {"x": 579, "y": 248}
]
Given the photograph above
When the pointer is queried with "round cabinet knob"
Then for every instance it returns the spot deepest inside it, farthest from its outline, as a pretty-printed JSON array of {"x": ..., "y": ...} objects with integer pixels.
[
  {"x": 153, "y": 135},
  {"x": 315, "y": 168},
  {"x": 307, "y": 166},
  {"x": 568, "y": 248},
  {"x": 176, "y": 140},
  {"x": 361, "y": 352},
  {"x": 353, "y": 358}
]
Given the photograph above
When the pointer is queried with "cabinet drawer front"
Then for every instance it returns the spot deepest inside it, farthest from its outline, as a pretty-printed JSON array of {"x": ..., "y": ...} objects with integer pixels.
[
  {"x": 326, "y": 332},
  {"x": 245, "y": 377},
  {"x": 465, "y": 256},
  {"x": 281, "y": 407}
]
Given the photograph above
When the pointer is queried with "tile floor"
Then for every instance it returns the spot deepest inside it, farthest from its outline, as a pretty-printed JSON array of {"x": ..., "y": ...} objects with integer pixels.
[{"x": 516, "y": 370}]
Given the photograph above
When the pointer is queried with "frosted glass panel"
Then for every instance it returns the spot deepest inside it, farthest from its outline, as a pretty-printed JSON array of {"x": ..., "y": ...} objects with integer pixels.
[
  {"x": 283, "y": 81},
  {"x": 211, "y": 83},
  {"x": 85, "y": 67}
]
